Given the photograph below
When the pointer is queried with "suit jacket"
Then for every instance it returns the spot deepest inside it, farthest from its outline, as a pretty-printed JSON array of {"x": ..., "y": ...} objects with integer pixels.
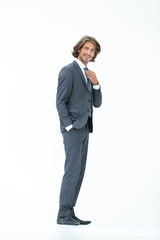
[{"x": 73, "y": 100}]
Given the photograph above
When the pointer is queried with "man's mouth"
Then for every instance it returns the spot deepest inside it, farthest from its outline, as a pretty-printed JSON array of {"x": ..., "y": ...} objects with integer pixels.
[{"x": 87, "y": 56}]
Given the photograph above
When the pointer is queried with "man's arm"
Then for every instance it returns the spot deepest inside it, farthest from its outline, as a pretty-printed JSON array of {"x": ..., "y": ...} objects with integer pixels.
[
  {"x": 63, "y": 93},
  {"x": 97, "y": 94},
  {"x": 97, "y": 97}
]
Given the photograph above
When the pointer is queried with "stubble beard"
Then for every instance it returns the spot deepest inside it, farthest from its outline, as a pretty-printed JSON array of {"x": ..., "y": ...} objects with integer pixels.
[{"x": 83, "y": 60}]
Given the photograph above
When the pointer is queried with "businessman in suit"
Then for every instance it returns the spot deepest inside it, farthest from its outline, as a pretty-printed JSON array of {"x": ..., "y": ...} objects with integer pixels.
[{"x": 77, "y": 92}]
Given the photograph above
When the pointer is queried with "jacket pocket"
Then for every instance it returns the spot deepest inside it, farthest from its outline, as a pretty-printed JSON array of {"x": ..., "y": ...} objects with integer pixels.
[
  {"x": 74, "y": 113},
  {"x": 73, "y": 110}
]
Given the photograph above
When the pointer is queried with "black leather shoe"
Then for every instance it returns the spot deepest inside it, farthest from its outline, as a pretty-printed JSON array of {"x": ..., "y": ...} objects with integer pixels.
[
  {"x": 67, "y": 220},
  {"x": 81, "y": 221}
]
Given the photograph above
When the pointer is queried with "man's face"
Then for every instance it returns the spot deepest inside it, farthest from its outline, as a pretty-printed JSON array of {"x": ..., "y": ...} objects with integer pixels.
[{"x": 86, "y": 53}]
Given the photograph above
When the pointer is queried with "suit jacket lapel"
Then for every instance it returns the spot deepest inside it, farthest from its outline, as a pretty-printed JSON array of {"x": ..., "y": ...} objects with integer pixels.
[{"x": 80, "y": 72}]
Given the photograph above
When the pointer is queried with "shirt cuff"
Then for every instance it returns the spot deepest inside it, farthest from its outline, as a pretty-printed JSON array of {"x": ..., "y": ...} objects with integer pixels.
[
  {"x": 97, "y": 87},
  {"x": 69, "y": 127}
]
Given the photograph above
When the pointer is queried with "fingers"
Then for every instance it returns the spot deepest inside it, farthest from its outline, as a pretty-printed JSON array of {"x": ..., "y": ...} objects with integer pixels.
[
  {"x": 89, "y": 73},
  {"x": 92, "y": 76}
]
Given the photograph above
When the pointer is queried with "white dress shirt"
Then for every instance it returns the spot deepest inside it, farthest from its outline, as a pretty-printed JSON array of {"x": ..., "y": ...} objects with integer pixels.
[
  {"x": 82, "y": 66},
  {"x": 97, "y": 87}
]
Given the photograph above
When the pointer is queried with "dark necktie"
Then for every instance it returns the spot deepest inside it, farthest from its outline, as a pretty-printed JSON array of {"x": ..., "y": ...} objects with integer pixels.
[{"x": 88, "y": 81}]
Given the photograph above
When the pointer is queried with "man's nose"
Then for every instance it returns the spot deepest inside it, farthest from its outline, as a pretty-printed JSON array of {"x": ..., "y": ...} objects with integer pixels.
[{"x": 89, "y": 52}]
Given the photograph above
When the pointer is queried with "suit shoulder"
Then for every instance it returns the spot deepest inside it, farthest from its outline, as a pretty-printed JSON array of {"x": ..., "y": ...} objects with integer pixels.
[
  {"x": 66, "y": 69},
  {"x": 66, "y": 74}
]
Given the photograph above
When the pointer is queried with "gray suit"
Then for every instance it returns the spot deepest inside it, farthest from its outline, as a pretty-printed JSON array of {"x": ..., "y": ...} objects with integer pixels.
[{"x": 74, "y": 104}]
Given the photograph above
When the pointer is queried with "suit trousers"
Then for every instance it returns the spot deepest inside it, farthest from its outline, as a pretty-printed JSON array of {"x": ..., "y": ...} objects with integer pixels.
[{"x": 76, "y": 147}]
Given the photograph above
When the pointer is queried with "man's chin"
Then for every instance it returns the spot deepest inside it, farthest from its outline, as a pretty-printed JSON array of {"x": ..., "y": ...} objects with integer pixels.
[{"x": 87, "y": 60}]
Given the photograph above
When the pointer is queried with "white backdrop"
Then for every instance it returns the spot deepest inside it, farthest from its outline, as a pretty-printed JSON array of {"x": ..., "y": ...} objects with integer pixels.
[{"x": 121, "y": 184}]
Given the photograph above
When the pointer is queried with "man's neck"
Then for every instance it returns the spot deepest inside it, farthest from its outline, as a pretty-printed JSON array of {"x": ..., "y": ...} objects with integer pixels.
[
  {"x": 85, "y": 63},
  {"x": 80, "y": 63}
]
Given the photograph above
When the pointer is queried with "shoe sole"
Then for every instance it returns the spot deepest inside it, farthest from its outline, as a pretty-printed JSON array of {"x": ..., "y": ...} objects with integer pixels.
[{"x": 63, "y": 223}]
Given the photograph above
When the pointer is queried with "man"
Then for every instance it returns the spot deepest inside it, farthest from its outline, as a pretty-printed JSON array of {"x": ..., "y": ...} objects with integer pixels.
[{"x": 78, "y": 91}]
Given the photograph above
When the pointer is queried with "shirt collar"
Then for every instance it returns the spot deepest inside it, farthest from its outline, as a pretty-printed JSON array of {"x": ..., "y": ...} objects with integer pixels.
[{"x": 81, "y": 65}]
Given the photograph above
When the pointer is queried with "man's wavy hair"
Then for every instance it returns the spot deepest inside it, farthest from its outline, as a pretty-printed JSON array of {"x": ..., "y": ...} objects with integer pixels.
[{"x": 80, "y": 44}]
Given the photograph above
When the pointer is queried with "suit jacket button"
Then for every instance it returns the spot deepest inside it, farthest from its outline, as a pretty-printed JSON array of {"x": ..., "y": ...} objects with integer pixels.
[
  {"x": 89, "y": 100},
  {"x": 87, "y": 110}
]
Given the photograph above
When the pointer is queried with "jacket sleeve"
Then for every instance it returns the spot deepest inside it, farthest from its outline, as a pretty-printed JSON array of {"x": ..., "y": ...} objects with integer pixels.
[
  {"x": 63, "y": 93},
  {"x": 97, "y": 97}
]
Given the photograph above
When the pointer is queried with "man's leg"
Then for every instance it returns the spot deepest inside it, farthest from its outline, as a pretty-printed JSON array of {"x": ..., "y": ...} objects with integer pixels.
[
  {"x": 84, "y": 151},
  {"x": 73, "y": 142}
]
